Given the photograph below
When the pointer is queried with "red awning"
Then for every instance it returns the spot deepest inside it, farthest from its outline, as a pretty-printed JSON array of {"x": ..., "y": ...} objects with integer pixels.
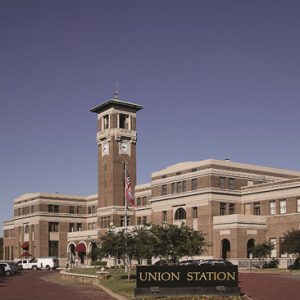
[
  {"x": 25, "y": 254},
  {"x": 80, "y": 248},
  {"x": 25, "y": 245}
]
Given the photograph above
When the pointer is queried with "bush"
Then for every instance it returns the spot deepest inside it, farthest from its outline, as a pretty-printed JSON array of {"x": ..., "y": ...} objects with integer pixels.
[
  {"x": 295, "y": 265},
  {"x": 100, "y": 263},
  {"x": 271, "y": 264}
]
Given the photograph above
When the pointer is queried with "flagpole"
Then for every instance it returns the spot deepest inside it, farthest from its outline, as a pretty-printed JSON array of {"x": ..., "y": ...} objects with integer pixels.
[
  {"x": 125, "y": 200},
  {"x": 125, "y": 217}
]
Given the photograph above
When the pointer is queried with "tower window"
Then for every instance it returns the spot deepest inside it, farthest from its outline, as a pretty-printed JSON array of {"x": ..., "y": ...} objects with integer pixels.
[
  {"x": 106, "y": 122},
  {"x": 123, "y": 121}
]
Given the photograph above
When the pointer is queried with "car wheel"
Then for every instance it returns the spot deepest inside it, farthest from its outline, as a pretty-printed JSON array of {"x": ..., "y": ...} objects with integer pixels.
[
  {"x": 48, "y": 268},
  {"x": 7, "y": 273},
  {"x": 34, "y": 268}
]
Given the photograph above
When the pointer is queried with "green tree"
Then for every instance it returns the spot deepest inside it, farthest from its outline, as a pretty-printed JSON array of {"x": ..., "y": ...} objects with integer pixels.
[
  {"x": 291, "y": 243},
  {"x": 262, "y": 250},
  {"x": 173, "y": 242}
]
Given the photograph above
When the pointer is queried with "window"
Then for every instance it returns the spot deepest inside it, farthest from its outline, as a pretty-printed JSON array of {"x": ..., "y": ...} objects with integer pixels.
[
  {"x": 256, "y": 209},
  {"x": 195, "y": 212},
  {"x": 283, "y": 207},
  {"x": 89, "y": 226},
  {"x": 52, "y": 208},
  {"x": 79, "y": 227},
  {"x": 173, "y": 186},
  {"x": 26, "y": 228},
  {"x": 72, "y": 210},
  {"x": 138, "y": 201},
  {"x": 298, "y": 205},
  {"x": 231, "y": 208},
  {"x": 231, "y": 184},
  {"x": 144, "y": 220},
  {"x": 183, "y": 186},
  {"x": 144, "y": 200},
  {"x": 194, "y": 169},
  {"x": 71, "y": 227},
  {"x": 164, "y": 216},
  {"x": 180, "y": 214},
  {"x": 53, "y": 248},
  {"x": 178, "y": 173},
  {"x": 222, "y": 209},
  {"x": 53, "y": 226},
  {"x": 93, "y": 209},
  {"x": 178, "y": 188},
  {"x": 105, "y": 122},
  {"x": 138, "y": 220},
  {"x": 124, "y": 121},
  {"x": 164, "y": 189},
  {"x": 78, "y": 209},
  {"x": 105, "y": 222},
  {"x": 222, "y": 182},
  {"x": 272, "y": 206},
  {"x": 194, "y": 183},
  {"x": 93, "y": 226},
  {"x": 89, "y": 210}
]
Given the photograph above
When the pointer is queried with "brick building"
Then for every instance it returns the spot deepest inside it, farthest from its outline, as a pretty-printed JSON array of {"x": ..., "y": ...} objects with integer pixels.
[{"x": 236, "y": 205}]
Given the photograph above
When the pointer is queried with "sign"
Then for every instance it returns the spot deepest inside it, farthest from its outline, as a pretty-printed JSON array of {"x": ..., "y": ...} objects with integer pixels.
[
  {"x": 186, "y": 276},
  {"x": 186, "y": 280}
]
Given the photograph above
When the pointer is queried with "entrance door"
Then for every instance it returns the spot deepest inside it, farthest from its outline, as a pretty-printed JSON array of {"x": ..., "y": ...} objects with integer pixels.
[{"x": 225, "y": 248}]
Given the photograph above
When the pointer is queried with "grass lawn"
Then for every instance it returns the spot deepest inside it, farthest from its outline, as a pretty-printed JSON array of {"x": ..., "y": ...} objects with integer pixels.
[{"x": 119, "y": 284}]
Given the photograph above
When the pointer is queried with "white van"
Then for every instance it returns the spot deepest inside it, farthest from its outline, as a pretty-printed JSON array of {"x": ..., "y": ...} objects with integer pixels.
[{"x": 48, "y": 262}]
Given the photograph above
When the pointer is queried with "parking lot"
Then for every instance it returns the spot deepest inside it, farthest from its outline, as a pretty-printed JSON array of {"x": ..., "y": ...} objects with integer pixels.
[{"x": 46, "y": 285}]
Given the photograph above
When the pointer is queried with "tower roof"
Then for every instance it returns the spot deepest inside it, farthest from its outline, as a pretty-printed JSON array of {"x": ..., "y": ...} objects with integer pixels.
[{"x": 115, "y": 102}]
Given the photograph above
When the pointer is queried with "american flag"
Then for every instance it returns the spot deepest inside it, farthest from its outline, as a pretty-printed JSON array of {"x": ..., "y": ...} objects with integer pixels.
[{"x": 128, "y": 191}]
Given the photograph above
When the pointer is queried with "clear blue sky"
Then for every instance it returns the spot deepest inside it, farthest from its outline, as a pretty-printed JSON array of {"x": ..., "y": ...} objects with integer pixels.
[{"x": 218, "y": 79}]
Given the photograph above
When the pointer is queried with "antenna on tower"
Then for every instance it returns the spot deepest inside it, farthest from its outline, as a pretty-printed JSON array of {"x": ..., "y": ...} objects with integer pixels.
[{"x": 117, "y": 91}]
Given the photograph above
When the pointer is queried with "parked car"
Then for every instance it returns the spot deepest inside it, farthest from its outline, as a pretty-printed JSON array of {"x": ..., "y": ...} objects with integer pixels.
[
  {"x": 190, "y": 262},
  {"x": 161, "y": 262},
  {"x": 48, "y": 262},
  {"x": 2, "y": 270},
  {"x": 29, "y": 264},
  {"x": 8, "y": 270},
  {"x": 215, "y": 262}
]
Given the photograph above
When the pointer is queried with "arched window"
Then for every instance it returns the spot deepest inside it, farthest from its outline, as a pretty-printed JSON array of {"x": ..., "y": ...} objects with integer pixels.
[
  {"x": 225, "y": 248},
  {"x": 250, "y": 245},
  {"x": 180, "y": 214}
]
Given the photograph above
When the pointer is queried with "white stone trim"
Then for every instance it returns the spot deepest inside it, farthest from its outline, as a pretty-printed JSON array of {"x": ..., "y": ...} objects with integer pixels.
[{"x": 224, "y": 163}]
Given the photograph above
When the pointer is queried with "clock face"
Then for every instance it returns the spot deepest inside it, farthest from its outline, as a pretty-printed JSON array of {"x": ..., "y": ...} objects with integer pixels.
[{"x": 124, "y": 147}]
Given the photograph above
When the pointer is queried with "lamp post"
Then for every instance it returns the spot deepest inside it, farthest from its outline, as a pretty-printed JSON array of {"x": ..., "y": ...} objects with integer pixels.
[{"x": 250, "y": 256}]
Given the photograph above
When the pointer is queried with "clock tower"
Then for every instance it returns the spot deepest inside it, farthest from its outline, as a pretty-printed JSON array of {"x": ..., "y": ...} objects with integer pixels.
[{"x": 116, "y": 140}]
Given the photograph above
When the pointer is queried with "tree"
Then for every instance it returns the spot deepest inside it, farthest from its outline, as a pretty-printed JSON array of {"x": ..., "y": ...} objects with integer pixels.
[
  {"x": 262, "y": 250},
  {"x": 291, "y": 243},
  {"x": 173, "y": 242}
]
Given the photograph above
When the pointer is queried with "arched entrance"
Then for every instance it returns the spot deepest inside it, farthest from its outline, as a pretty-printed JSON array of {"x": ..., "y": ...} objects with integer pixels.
[
  {"x": 71, "y": 255},
  {"x": 225, "y": 246},
  {"x": 250, "y": 245}
]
